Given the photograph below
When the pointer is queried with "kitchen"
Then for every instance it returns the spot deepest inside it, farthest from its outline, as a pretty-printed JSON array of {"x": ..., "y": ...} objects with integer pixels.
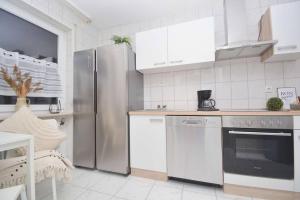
[{"x": 188, "y": 109}]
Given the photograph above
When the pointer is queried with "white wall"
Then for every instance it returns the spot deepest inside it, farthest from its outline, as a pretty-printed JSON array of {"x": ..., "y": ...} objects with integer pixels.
[{"x": 236, "y": 84}]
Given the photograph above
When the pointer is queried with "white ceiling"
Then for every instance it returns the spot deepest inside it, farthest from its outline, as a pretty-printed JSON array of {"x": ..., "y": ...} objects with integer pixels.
[{"x": 109, "y": 13}]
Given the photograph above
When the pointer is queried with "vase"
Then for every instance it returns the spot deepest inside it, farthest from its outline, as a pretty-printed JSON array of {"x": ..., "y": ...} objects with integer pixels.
[{"x": 21, "y": 101}]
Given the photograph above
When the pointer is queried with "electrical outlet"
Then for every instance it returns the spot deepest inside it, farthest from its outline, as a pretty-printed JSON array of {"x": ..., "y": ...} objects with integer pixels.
[{"x": 268, "y": 89}]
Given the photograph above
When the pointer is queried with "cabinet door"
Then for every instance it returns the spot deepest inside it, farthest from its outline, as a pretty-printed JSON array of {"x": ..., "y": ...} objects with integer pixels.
[
  {"x": 148, "y": 143},
  {"x": 191, "y": 42},
  {"x": 151, "y": 49},
  {"x": 285, "y": 27},
  {"x": 297, "y": 159}
]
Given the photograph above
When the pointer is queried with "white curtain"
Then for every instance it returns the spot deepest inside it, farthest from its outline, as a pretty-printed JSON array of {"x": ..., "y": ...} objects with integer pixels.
[{"x": 40, "y": 70}]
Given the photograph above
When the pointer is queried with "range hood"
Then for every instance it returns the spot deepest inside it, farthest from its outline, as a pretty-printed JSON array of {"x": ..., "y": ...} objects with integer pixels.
[{"x": 237, "y": 44}]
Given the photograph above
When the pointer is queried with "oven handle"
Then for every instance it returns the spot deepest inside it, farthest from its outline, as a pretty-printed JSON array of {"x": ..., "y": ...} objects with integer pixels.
[{"x": 259, "y": 133}]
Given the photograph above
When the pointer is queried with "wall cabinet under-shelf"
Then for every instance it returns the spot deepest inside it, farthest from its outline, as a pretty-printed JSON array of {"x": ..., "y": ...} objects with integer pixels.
[
  {"x": 280, "y": 23},
  {"x": 180, "y": 46}
]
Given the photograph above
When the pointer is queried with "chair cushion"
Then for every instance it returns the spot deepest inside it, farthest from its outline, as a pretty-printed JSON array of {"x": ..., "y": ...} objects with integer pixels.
[
  {"x": 47, "y": 164},
  {"x": 46, "y": 134}
]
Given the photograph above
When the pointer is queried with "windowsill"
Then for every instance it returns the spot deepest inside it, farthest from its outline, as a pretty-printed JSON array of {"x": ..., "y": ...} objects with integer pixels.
[{"x": 40, "y": 114}]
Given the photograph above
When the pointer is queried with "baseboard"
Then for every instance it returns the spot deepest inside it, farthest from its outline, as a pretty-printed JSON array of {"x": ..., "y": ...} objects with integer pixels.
[
  {"x": 161, "y": 176},
  {"x": 260, "y": 192}
]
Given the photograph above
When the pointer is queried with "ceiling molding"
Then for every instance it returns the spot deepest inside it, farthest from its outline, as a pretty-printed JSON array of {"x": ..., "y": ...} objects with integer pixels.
[{"x": 82, "y": 14}]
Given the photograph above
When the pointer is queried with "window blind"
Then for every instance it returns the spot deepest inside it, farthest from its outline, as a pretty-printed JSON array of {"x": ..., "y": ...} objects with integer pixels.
[{"x": 40, "y": 70}]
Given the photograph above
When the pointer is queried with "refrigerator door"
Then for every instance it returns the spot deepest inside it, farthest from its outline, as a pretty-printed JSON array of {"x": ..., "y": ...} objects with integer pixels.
[
  {"x": 112, "y": 107},
  {"x": 84, "y": 111}
]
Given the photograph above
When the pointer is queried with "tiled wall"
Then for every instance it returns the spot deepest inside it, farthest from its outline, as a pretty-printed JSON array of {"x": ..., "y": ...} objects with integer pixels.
[{"x": 236, "y": 84}]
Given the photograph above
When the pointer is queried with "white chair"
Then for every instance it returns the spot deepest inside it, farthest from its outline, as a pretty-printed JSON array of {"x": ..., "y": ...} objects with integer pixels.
[
  {"x": 12, "y": 193},
  {"x": 47, "y": 136}
]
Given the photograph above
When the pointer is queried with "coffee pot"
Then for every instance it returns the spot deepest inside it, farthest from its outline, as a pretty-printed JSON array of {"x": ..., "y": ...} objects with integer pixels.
[{"x": 204, "y": 101}]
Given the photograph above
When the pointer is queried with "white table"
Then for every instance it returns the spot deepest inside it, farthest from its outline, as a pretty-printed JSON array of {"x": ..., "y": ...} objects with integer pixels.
[{"x": 10, "y": 141}]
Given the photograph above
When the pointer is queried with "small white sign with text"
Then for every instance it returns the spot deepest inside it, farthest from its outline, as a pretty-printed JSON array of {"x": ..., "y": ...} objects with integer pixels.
[{"x": 287, "y": 95}]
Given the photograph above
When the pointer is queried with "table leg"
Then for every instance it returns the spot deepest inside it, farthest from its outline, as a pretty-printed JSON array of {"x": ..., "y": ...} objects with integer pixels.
[{"x": 30, "y": 171}]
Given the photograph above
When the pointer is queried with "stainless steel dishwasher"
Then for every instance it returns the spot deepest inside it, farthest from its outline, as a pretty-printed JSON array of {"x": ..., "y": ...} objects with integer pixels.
[{"x": 194, "y": 148}]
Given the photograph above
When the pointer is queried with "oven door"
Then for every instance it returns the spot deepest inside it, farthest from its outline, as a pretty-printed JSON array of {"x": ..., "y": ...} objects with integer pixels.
[{"x": 259, "y": 152}]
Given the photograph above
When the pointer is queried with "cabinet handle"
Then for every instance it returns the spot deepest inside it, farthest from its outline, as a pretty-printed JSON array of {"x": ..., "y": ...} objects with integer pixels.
[
  {"x": 156, "y": 120},
  {"x": 159, "y": 63},
  {"x": 176, "y": 61},
  {"x": 287, "y": 47}
]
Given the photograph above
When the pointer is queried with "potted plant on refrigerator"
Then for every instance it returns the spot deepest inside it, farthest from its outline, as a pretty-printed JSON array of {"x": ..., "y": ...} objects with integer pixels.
[{"x": 21, "y": 84}]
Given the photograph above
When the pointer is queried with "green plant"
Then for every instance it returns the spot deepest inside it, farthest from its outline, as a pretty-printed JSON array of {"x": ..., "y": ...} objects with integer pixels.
[
  {"x": 119, "y": 40},
  {"x": 274, "y": 104}
]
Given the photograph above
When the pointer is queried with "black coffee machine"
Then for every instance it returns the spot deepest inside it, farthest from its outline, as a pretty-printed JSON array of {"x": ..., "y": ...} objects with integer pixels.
[{"x": 204, "y": 101}]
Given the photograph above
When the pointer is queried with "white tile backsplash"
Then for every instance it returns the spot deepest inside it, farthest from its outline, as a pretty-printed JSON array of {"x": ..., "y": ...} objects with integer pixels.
[
  {"x": 208, "y": 75},
  {"x": 239, "y": 90},
  {"x": 222, "y": 73},
  {"x": 239, "y": 71},
  {"x": 256, "y": 71},
  {"x": 257, "y": 89},
  {"x": 274, "y": 70},
  {"x": 223, "y": 91},
  {"x": 236, "y": 84},
  {"x": 291, "y": 69}
]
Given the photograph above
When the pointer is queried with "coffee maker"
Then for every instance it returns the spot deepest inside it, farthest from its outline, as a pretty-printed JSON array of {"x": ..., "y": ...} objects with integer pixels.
[{"x": 204, "y": 101}]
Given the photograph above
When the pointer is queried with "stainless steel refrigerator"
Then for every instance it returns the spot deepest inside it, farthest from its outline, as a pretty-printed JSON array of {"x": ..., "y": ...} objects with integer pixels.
[{"x": 106, "y": 87}]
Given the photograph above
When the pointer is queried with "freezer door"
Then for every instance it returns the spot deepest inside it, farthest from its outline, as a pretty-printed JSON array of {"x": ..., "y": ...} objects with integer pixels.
[
  {"x": 112, "y": 107},
  {"x": 84, "y": 112}
]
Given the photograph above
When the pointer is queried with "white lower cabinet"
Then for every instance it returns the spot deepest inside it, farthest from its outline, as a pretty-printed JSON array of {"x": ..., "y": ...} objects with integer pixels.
[
  {"x": 297, "y": 152},
  {"x": 148, "y": 143}
]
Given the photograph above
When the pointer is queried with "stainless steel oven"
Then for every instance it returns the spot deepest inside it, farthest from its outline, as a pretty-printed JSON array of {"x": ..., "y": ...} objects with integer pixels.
[{"x": 258, "y": 146}]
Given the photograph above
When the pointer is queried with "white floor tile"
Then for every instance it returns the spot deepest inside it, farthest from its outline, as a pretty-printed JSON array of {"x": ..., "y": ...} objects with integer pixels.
[
  {"x": 136, "y": 189},
  {"x": 43, "y": 189},
  {"x": 86, "y": 180},
  {"x": 224, "y": 196},
  {"x": 164, "y": 193},
  {"x": 208, "y": 190},
  {"x": 109, "y": 184},
  {"x": 67, "y": 192},
  {"x": 188, "y": 195},
  {"x": 170, "y": 183},
  {"x": 97, "y": 185},
  {"x": 117, "y": 198},
  {"x": 80, "y": 171},
  {"x": 91, "y": 195}
]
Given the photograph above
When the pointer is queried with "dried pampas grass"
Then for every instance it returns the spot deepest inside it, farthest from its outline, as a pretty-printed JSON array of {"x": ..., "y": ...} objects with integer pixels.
[{"x": 20, "y": 83}]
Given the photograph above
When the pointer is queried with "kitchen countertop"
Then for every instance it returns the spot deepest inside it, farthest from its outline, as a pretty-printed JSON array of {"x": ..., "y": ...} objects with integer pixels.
[{"x": 216, "y": 113}]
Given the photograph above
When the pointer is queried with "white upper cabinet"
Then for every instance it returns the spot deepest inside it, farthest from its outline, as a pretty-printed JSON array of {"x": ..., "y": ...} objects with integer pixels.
[
  {"x": 178, "y": 45},
  {"x": 280, "y": 23},
  {"x": 191, "y": 42},
  {"x": 151, "y": 49}
]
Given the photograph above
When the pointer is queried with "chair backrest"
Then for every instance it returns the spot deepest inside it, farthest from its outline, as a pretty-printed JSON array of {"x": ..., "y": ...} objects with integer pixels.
[{"x": 47, "y": 135}]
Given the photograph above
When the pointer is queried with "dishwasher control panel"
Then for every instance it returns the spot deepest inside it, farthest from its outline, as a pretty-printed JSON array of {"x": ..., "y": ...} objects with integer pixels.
[{"x": 195, "y": 121}]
